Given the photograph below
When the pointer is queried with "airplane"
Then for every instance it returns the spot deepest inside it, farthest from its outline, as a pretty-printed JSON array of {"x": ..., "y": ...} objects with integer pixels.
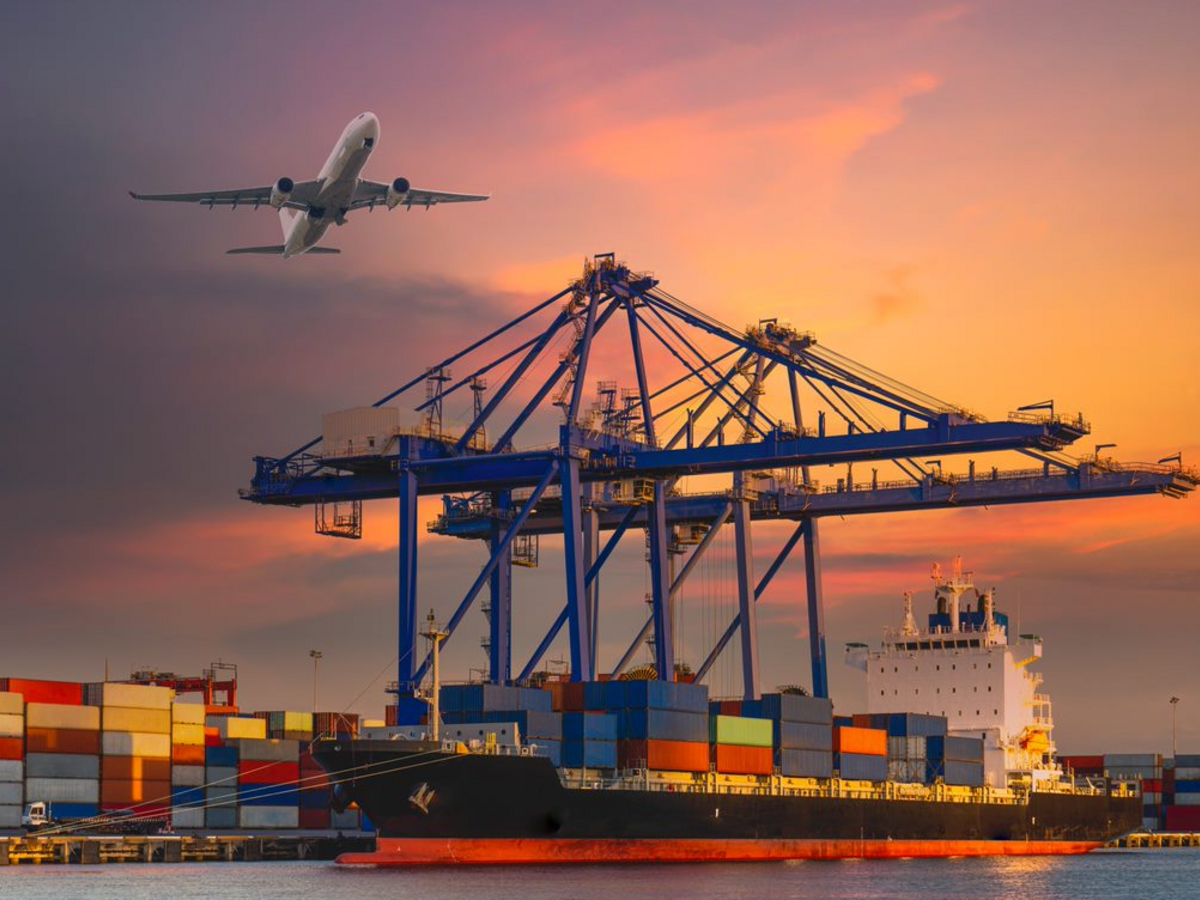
[{"x": 308, "y": 208}]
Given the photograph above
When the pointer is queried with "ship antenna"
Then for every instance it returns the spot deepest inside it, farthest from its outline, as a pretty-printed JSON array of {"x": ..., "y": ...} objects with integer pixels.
[{"x": 910, "y": 625}]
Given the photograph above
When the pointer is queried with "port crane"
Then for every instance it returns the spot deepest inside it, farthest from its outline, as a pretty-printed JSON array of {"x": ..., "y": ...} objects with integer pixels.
[{"x": 616, "y": 457}]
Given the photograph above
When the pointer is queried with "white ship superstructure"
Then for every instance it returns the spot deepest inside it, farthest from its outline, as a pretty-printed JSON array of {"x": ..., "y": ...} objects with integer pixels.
[{"x": 964, "y": 666}]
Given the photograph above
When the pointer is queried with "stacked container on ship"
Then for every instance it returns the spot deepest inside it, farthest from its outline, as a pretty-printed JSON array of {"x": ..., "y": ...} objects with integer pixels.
[{"x": 12, "y": 761}]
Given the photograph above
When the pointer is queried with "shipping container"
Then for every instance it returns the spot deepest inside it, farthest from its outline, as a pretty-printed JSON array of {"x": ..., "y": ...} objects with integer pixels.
[
  {"x": 347, "y": 820},
  {"x": 12, "y": 770},
  {"x": 329, "y": 723},
  {"x": 59, "y": 715},
  {"x": 76, "y": 810},
  {"x": 663, "y": 725},
  {"x": 805, "y": 763},
  {"x": 59, "y": 740},
  {"x": 12, "y": 793},
  {"x": 532, "y": 723},
  {"x": 62, "y": 765},
  {"x": 12, "y": 725},
  {"x": 491, "y": 698},
  {"x": 861, "y": 742},
  {"x": 1186, "y": 773},
  {"x": 268, "y": 750},
  {"x": 735, "y": 759},
  {"x": 187, "y": 755},
  {"x": 1141, "y": 760},
  {"x": 290, "y": 721},
  {"x": 62, "y": 790},
  {"x": 1095, "y": 763},
  {"x": 907, "y": 747},
  {"x": 221, "y": 756},
  {"x": 220, "y": 775},
  {"x": 580, "y": 726},
  {"x": 1183, "y": 818},
  {"x": 551, "y": 749},
  {"x": 861, "y": 767},
  {"x": 672, "y": 756},
  {"x": 589, "y": 754},
  {"x": 221, "y": 817},
  {"x": 665, "y": 695},
  {"x": 907, "y": 771},
  {"x": 953, "y": 771},
  {"x": 69, "y": 692},
  {"x": 804, "y": 736},
  {"x": 1187, "y": 760},
  {"x": 10, "y": 816},
  {"x": 795, "y": 708},
  {"x": 269, "y": 817},
  {"x": 741, "y": 732},
  {"x": 130, "y": 696},
  {"x": 187, "y": 796},
  {"x": 954, "y": 747},
  {"x": 11, "y": 748},
  {"x": 187, "y": 776},
  {"x": 130, "y": 792},
  {"x": 135, "y": 743},
  {"x": 221, "y": 795},
  {"x": 146, "y": 721},
  {"x": 187, "y": 818},
  {"x": 268, "y": 795},
  {"x": 135, "y": 768},
  {"x": 188, "y": 713},
  {"x": 12, "y": 703},
  {"x": 184, "y": 734},
  {"x": 314, "y": 819},
  {"x": 258, "y": 772},
  {"x": 230, "y": 727}
]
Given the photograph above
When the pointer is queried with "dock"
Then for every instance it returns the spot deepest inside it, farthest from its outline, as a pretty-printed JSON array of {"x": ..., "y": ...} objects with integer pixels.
[
  {"x": 1145, "y": 840},
  {"x": 95, "y": 849}
]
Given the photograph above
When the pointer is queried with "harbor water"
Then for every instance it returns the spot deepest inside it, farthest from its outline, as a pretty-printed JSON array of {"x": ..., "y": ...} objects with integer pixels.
[{"x": 1106, "y": 875}]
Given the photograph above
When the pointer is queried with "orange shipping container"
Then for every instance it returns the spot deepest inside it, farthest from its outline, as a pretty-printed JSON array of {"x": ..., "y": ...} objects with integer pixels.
[
  {"x": 11, "y": 748},
  {"x": 735, "y": 760},
  {"x": 134, "y": 768},
  {"x": 673, "y": 756},
  {"x": 127, "y": 792},
  {"x": 62, "y": 740},
  {"x": 186, "y": 755},
  {"x": 865, "y": 741},
  {"x": 67, "y": 693}
]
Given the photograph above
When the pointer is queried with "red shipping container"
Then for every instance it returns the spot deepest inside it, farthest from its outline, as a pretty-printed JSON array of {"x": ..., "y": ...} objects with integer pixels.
[
  {"x": 672, "y": 756},
  {"x": 12, "y": 748},
  {"x": 731, "y": 707},
  {"x": 1082, "y": 763},
  {"x": 212, "y": 737},
  {"x": 572, "y": 696},
  {"x": 186, "y": 755},
  {"x": 315, "y": 819},
  {"x": 62, "y": 740},
  {"x": 734, "y": 760},
  {"x": 865, "y": 741},
  {"x": 1183, "y": 818},
  {"x": 257, "y": 772},
  {"x": 1151, "y": 785},
  {"x": 862, "y": 720},
  {"x": 68, "y": 693}
]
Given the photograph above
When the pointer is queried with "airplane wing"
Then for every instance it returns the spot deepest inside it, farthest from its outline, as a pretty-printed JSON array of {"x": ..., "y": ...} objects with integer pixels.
[
  {"x": 302, "y": 195},
  {"x": 372, "y": 193}
]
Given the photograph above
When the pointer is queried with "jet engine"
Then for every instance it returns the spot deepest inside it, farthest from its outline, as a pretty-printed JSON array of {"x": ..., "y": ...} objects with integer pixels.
[
  {"x": 397, "y": 192},
  {"x": 281, "y": 192}
]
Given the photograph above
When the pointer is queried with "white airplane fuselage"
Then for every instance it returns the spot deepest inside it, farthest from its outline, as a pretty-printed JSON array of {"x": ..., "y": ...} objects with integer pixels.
[{"x": 339, "y": 179}]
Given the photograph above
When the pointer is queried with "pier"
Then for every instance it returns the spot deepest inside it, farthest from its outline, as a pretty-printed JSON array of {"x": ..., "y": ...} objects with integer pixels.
[{"x": 93, "y": 850}]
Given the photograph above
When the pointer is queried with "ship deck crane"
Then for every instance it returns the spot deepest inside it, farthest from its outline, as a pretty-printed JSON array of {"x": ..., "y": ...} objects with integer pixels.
[{"x": 616, "y": 464}]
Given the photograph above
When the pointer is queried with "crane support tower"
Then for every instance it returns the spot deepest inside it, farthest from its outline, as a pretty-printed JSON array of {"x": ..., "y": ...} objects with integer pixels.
[{"x": 695, "y": 404}]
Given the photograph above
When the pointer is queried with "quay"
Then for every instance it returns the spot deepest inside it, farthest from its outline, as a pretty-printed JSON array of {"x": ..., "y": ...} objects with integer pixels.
[{"x": 95, "y": 849}]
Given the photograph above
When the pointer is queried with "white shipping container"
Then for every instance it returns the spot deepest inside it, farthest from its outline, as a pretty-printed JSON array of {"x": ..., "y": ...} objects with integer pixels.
[
  {"x": 11, "y": 703},
  {"x": 61, "y": 715},
  {"x": 231, "y": 727},
  {"x": 1187, "y": 773},
  {"x": 132, "y": 696},
  {"x": 187, "y": 776},
  {"x": 1151, "y": 798},
  {"x": 12, "y": 725},
  {"x": 269, "y": 817},
  {"x": 134, "y": 743},
  {"x": 12, "y": 770},
  {"x": 62, "y": 790},
  {"x": 62, "y": 765},
  {"x": 187, "y": 713},
  {"x": 184, "y": 734},
  {"x": 1187, "y": 799},
  {"x": 269, "y": 751},
  {"x": 362, "y": 430},
  {"x": 220, "y": 775},
  {"x": 187, "y": 818},
  {"x": 124, "y": 718},
  {"x": 11, "y": 792},
  {"x": 10, "y": 817},
  {"x": 220, "y": 796},
  {"x": 221, "y": 817}
]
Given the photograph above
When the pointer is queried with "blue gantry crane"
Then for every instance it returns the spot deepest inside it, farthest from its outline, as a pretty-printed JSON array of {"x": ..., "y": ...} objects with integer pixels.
[{"x": 612, "y": 460}]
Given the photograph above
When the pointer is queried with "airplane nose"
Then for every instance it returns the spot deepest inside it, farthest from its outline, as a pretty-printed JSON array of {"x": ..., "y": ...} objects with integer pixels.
[{"x": 369, "y": 123}]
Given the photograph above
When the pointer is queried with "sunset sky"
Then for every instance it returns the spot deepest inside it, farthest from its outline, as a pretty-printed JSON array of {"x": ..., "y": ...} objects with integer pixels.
[{"x": 998, "y": 203}]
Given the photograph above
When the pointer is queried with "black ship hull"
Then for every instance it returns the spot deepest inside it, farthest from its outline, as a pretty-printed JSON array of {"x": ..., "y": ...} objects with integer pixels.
[{"x": 435, "y": 807}]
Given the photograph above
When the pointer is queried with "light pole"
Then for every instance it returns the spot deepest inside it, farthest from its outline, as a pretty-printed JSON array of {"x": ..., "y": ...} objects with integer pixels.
[
  {"x": 1174, "y": 706},
  {"x": 316, "y": 658}
]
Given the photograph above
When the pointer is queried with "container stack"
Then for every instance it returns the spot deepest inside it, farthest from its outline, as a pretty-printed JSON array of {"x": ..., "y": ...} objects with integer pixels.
[
  {"x": 589, "y": 740},
  {"x": 1182, "y": 807},
  {"x": 12, "y": 763},
  {"x": 660, "y": 724},
  {"x": 268, "y": 774},
  {"x": 220, "y": 782},
  {"x": 316, "y": 795},
  {"x": 908, "y": 733},
  {"x": 741, "y": 745},
  {"x": 187, "y": 765},
  {"x": 955, "y": 760},
  {"x": 860, "y": 754},
  {"x": 62, "y": 758},
  {"x": 135, "y": 747},
  {"x": 530, "y": 710},
  {"x": 803, "y": 732}
]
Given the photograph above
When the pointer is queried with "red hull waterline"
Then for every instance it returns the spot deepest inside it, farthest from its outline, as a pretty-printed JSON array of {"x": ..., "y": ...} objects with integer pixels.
[{"x": 498, "y": 851}]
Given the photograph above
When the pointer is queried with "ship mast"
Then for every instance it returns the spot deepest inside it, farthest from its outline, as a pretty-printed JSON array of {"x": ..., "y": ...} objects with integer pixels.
[{"x": 435, "y": 637}]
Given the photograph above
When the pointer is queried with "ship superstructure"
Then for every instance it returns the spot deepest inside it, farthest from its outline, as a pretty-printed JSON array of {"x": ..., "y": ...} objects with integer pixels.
[{"x": 965, "y": 665}]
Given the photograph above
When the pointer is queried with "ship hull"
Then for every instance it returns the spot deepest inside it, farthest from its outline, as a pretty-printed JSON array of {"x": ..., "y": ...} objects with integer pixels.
[{"x": 432, "y": 807}]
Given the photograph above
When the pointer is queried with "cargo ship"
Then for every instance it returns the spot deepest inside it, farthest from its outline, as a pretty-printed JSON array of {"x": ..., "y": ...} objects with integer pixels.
[{"x": 652, "y": 771}]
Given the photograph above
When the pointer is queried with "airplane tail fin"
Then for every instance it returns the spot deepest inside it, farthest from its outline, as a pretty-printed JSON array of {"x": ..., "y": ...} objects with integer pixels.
[{"x": 277, "y": 250}]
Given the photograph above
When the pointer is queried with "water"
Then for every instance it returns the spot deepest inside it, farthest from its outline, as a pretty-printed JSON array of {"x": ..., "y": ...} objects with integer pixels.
[{"x": 1107, "y": 875}]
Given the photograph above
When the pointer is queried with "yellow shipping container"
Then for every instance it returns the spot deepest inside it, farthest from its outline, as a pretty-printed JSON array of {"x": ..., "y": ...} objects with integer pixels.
[
  {"x": 135, "y": 696},
  {"x": 293, "y": 721},
  {"x": 183, "y": 734},
  {"x": 152, "y": 721},
  {"x": 58, "y": 715},
  {"x": 12, "y": 725},
  {"x": 189, "y": 713},
  {"x": 135, "y": 743},
  {"x": 11, "y": 704},
  {"x": 238, "y": 727}
]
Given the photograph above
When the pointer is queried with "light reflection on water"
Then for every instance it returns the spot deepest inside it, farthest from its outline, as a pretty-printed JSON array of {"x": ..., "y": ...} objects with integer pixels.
[{"x": 1121, "y": 875}]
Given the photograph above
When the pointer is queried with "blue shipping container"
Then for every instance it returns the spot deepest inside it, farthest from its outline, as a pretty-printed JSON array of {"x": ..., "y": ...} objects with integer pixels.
[
  {"x": 221, "y": 818},
  {"x": 589, "y": 754},
  {"x": 74, "y": 810},
  {"x": 803, "y": 736},
  {"x": 578, "y": 726},
  {"x": 673, "y": 695},
  {"x": 663, "y": 725},
  {"x": 795, "y": 708},
  {"x": 910, "y": 724},
  {"x": 960, "y": 749},
  {"x": 1187, "y": 761},
  {"x": 1187, "y": 787},
  {"x": 859, "y": 767},
  {"x": 955, "y": 772},
  {"x": 268, "y": 795},
  {"x": 411, "y": 710},
  {"x": 595, "y": 695},
  {"x": 221, "y": 756},
  {"x": 805, "y": 763},
  {"x": 187, "y": 796}
]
